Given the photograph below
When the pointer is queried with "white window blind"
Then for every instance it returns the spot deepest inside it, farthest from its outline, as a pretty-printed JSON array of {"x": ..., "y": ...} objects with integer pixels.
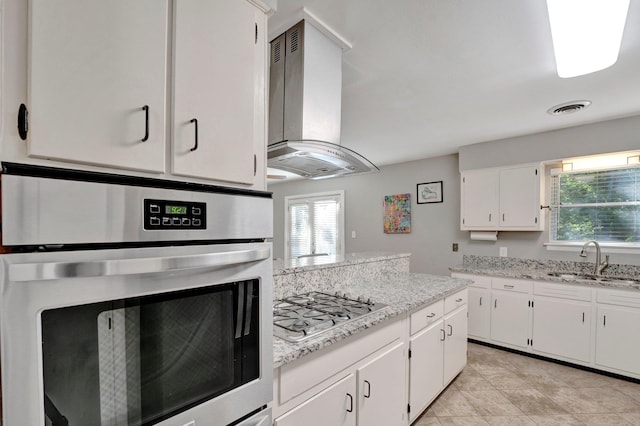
[
  {"x": 314, "y": 225},
  {"x": 601, "y": 205}
]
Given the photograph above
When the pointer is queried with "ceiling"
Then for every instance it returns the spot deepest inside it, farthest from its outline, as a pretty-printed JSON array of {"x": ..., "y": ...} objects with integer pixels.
[{"x": 425, "y": 77}]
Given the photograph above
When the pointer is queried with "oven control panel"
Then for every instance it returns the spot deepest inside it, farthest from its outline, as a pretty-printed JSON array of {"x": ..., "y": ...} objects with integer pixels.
[{"x": 165, "y": 214}]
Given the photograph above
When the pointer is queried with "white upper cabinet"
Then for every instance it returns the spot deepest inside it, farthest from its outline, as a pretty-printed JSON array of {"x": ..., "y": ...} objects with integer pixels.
[
  {"x": 93, "y": 67},
  {"x": 506, "y": 198},
  {"x": 172, "y": 89},
  {"x": 218, "y": 66}
]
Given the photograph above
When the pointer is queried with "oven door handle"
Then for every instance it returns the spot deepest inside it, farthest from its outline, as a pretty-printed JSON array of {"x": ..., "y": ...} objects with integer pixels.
[{"x": 104, "y": 268}]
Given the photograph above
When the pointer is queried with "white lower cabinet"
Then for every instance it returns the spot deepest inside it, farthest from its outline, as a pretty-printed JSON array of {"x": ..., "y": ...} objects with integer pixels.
[
  {"x": 455, "y": 345},
  {"x": 591, "y": 326},
  {"x": 381, "y": 384},
  {"x": 438, "y": 350},
  {"x": 480, "y": 311},
  {"x": 333, "y": 406},
  {"x": 562, "y": 327},
  {"x": 618, "y": 331},
  {"x": 510, "y": 316}
]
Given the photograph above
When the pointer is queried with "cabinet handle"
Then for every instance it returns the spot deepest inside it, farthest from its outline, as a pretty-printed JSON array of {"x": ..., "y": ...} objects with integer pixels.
[
  {"x": 450, "y": 330},
  {"x": 195, "y": 121},
  {"x": 495, "y": 303},
  {"x": 458, "y": 300},
  {"x": 431, "y": 315},
  {"x": 503, "y": 217},
  {"x": 443, "y": 335},
  {"x": 23, "y": 121},
  {"x": 489, "y": 217},
  {"x": 604, "y": 320},
  {"x": 146, "y": 123},
  {"x": 583, "y": 317},
  {"x": 508, "y": 286},
  {"x": 368, "y": 394},
  {"x": 350, "y": 409}
]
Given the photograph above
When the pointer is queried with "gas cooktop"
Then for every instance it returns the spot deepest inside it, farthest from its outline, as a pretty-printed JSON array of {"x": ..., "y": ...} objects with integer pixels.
[{"x": 299, "y": 317}]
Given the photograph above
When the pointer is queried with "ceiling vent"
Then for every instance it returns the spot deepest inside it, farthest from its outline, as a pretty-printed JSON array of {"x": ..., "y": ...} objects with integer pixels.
[{"x": 568, "y": 107}]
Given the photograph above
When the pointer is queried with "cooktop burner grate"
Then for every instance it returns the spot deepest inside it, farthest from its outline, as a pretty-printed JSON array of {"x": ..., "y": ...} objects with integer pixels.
[{"x": 298, "y": 317}]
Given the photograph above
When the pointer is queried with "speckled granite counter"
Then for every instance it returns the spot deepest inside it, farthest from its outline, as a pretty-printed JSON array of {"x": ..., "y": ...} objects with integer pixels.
[
  {"x": 539, "y": 270},
  {"x": 402, "y": 292}
]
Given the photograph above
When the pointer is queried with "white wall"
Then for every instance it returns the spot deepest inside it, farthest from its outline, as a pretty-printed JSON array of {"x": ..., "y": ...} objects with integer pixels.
[{"x": 434, "y": 227}]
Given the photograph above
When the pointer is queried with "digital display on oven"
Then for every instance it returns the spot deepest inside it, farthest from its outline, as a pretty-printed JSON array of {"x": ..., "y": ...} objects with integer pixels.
[
  {"x": 165, "y": 215},
  {"x": 170, "y": 209}
]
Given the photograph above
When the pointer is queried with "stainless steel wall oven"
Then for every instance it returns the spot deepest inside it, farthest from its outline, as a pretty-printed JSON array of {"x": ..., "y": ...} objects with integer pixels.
[{"x": 130, "y": 301}]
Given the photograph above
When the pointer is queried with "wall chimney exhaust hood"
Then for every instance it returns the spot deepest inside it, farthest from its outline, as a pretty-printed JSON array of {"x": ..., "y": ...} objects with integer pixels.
[{"x": 305, "y": 107}]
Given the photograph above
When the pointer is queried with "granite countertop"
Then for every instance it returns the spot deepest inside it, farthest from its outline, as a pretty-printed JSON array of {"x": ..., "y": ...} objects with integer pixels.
[
  {"x": 626, "y": 282},
  {"x": 402, "y": 293},
  {"x": 287, "y": 266}
]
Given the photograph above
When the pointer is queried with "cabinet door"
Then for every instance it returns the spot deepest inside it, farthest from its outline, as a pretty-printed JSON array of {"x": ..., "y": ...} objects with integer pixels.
[
  {"x": 479, "y": 312},
  {"x": 93, "y": 66},
  {"x": 510, "y": 313},
  {"x": 214, "y": 70},
  {"x": 455, "y": 345},
  {"x": 335, "y": 405},
  {"x": 618, "y": 338},
  {"x": 520, "y": 198},
  {"x": 381, "y": 389},
  {"x": 562, "y": 327},
  {"x": 479, "y": 200},
  {"x": 426, "y": 367}
]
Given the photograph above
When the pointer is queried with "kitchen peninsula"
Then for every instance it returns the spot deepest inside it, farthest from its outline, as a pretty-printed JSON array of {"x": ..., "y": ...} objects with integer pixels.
[{"x": 386, "y": 366}]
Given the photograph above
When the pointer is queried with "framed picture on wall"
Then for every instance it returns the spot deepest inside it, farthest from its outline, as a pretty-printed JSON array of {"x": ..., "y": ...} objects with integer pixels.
[{"x": 429, "y": 192}]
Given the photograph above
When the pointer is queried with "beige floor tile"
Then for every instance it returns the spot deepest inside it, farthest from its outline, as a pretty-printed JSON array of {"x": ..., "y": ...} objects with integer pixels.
[
  {"x": 509, "y": 421},
  {"x": 491, "y": 403},
  {"x": 470, "y": 379},
  {"x": 611, "y": 400},
  {"x": 532, "y": 401},
  {"x": 452, "y": 403},
  {"x": 508, "y": 380},
  {"x": 633, "y": 418},
  {"x": 556, "y": 420},
  {"x": 462, "y": 421},
  {"x": 632, "y": 390},
  {"x": 426, "y": 421},
  {"x": 609, "y": 419},
  {"x": 572, "y": 400}
]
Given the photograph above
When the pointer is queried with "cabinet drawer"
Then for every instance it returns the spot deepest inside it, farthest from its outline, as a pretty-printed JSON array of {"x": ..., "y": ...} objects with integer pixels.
[
  {"x": 619, "y": 297},
  {"x": 455, "y": 300},
  {"x": 426, "y": 316},
  {"x": 478, "y": 280},
  {"x": 563, "y": 291},
  {"x": 511, "y": 285}
]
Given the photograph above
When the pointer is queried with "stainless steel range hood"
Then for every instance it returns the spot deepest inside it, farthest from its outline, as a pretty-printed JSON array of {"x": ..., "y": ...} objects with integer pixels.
[{"x": 305, "y": 107}]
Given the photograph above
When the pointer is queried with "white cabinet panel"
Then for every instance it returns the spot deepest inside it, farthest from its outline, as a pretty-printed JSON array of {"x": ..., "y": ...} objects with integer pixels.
[
  {"x": 562, "y": 327},
  {"x": 618, "y": 338},
  {"x": 520, "y": 198},
  {"x": 425, "y": 365},
  {"x": 93, "y": 66},
  {"x": 381, "y": 389},
  {"x": 479, "y": 312},
  {"x": 455, "y": 347},
  {"x": 510, "y": 313},
  {"x": 479, "y": 204},
  {"x": 335, "y": 405},
  {"x": 214, "y": 79}
]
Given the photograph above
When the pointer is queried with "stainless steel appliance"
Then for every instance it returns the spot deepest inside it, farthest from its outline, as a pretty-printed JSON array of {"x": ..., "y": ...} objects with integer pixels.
[
  {"x": 132, "y": 301},
  {"x": 299, "y": 317}
]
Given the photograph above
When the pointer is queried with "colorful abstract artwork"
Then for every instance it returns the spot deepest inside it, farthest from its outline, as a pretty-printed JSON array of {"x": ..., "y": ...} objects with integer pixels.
[{"x": 397, "y": 214}]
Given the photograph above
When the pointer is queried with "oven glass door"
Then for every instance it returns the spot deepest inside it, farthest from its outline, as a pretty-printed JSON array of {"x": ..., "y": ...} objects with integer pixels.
[{"x": 140, "y": 360}]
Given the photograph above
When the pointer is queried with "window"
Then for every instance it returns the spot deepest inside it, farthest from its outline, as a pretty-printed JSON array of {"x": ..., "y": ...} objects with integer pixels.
[
  {"x": 601, "y": 205},
  {"x": 314, "y": 224}
]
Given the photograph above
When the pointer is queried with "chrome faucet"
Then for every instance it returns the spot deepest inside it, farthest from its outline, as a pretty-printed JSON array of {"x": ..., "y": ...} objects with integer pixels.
[{"x": 600, "y": 266}]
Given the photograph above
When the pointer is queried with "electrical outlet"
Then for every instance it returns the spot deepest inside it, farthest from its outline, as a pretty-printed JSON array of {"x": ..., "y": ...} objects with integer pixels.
[
  {"x": 503, "y": 252},
  {"x": 454, "y": 247},
  {"x": 353, "y": 234}
]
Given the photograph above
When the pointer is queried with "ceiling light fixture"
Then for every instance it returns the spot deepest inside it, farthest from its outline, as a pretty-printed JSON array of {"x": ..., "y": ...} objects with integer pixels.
[{"x": 586, "y": 34}]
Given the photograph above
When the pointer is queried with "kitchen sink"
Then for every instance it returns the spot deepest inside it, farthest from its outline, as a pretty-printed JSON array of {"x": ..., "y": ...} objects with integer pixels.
[{"x": 591, "y": 277}]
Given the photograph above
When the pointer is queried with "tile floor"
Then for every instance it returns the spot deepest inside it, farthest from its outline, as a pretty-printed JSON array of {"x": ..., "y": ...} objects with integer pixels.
[{"x": 502, "y": 388}]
